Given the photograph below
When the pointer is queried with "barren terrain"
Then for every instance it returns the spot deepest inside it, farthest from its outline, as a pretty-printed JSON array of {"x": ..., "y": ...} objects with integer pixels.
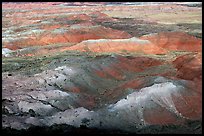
[{"x": 101, "y": 68}]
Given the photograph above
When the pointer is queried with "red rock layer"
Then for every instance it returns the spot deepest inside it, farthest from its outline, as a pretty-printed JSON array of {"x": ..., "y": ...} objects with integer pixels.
[
  {"x": 118, "y": 71},
  {"x": 118, "y": 46},
  {"x": 100, "y": 17},
  {"x": 69, "y": 36},
  {"x": 189, "y": 66},
  {"x": 160, "y": 116},
  {"x": 79, "y": 17},
  {"x": 189, "y": 102},
  {"x": 178, "y": 41}
]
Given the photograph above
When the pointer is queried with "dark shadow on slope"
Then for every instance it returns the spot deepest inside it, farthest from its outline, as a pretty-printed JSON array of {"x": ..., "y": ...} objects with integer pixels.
[{"x": 191, "y": 127}]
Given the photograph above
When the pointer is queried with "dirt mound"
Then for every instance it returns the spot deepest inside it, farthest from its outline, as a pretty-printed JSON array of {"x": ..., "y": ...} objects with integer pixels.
[
  {"x": 175, "y": 106},
  {"x": 189, "y": 66},
  {"x": 118, "y": 45},
  {"x": 100, "y": 17},
  {"x": 98, "y": 14},
  {"x": 178, "y": 41},
  {"x": 79, "y": 17}
]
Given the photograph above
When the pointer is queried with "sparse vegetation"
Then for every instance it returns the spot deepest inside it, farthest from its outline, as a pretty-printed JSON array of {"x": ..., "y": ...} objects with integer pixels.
[{"x": 101, "y": 69}]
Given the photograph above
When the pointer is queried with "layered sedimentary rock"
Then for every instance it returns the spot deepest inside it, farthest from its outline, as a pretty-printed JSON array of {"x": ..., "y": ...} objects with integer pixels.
[
  {"x": 75, "y": 34},
  {"x": 118, "y": 45},
  {"x": 175, "y": 41},
  {"x": 83, "y": 73},
  {"x": 189, "y": 66},
  {"x": 71, "y": 94}
]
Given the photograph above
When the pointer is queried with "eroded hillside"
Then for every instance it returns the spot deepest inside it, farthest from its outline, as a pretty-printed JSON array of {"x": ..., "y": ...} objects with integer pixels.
[{"x": 99, "y": 68}]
